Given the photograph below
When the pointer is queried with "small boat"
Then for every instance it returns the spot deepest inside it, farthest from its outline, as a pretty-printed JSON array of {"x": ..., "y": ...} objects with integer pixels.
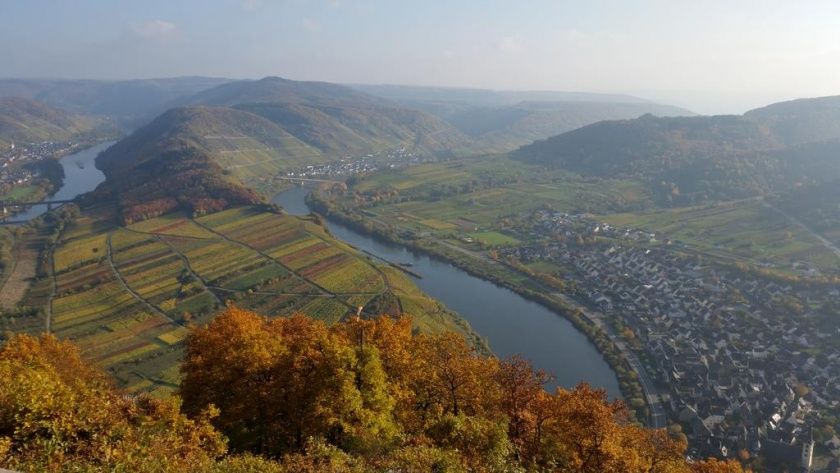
[{"x": 406, "y": 265}]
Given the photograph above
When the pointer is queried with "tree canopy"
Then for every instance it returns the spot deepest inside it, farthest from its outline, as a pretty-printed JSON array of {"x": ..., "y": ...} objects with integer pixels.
[{"x": 291, "y": 394}]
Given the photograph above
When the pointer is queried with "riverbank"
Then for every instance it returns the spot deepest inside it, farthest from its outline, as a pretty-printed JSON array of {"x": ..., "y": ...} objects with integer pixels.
[
  {"x": 512, "y": 324},
  {"x": 509, "y": 278},
  {"x": 78, "y": 175},
  {"x": 19, "y": 243}
]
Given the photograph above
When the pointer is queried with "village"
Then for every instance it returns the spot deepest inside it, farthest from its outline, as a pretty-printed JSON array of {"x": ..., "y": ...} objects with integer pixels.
[
  {"x": 744, "y": 361},
  {"x": 16, "y": 163},
  {"x": 352, "y": 166}
]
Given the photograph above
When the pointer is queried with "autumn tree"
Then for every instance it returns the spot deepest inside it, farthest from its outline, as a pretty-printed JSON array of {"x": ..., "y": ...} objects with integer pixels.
[
  {"x": 716, "y": 466},
  {"x": 373, "y": 395},
  {"x": 279, "y": 382},
  {"x": 521, "y": 389},
  {"x": 229, "y": 364},
  {"x": 58, "y": 414}
]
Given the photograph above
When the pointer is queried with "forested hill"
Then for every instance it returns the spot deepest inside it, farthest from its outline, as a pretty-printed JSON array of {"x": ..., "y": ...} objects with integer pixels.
[
  {"x": 177, "y": 161},
  {"x": 276, "y": 89},
  {"x": 202, "y": 155},
  {"x": 694, "y": 159},
  {"x": 127, "y": 103},
  {"x": 504, "y": 120},
  {"x": 336, "y": 119},
  {"x": 28, "y": 121},
  {"x": 801, "y": 121}
]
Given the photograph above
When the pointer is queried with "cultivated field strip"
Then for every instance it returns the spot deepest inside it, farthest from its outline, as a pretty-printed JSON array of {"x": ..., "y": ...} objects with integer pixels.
[{"x": 127, "y": 295}]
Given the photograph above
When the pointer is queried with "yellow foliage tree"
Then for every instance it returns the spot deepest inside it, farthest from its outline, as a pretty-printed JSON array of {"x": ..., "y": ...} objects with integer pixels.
[{"x": 58, "y": 414}]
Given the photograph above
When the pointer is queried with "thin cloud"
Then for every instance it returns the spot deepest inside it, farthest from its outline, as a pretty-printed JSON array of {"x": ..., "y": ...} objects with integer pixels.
[
  {"x": 250, "y": 5},
  {"x": 154, "y": 29},
  {"x": 311, "y": 25},
  {"x": 509, "y": 45}
]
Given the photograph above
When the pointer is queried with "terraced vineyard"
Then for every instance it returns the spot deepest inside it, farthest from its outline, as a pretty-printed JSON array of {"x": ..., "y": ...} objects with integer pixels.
[{"x": 127, "y": 295}]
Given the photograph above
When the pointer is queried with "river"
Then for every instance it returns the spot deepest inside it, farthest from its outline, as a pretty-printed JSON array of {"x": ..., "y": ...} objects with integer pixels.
[
  {"x": 510, "y": 323},
  {"x": 80, "y": 176}
]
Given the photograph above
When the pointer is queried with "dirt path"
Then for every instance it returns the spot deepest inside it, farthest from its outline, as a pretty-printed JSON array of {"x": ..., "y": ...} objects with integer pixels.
[
  {"x": 23, "y": 270},
  {"x": 53, "y": 291},
  {"x": 268, "y": 257},
  {"x": 189, "y": 268},
  {"x": 131, "y": 291}
]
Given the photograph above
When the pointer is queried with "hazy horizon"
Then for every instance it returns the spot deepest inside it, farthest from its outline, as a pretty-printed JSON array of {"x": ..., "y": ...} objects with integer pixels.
[{"x": 714, "y": 57}]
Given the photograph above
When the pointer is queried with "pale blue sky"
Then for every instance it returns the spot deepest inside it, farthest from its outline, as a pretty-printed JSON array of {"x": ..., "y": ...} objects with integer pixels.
[{"x": 710, "y": 55}]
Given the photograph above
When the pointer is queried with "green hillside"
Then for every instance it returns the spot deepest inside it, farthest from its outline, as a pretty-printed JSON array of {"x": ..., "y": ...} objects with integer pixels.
[
  {"x": 128, "y": 103},
  {"x": 199, "y": 157},
  {"x": 338, "y": 120},
  {"x": 504, "y": 120},
  {"x": 247, "y": 145},
  {"x": 276, "y": 90},
  {"x": 802, "y": 120},
  {"x": 30, "y": 121},
  {"x": 504, "y": 128},
  {"x": 694, "y": 159}
]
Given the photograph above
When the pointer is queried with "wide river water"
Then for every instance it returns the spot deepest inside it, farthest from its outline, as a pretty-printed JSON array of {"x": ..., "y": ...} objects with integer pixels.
[
  {"x": 509, "y": 322},
  {"x": 80, "y": 176}
]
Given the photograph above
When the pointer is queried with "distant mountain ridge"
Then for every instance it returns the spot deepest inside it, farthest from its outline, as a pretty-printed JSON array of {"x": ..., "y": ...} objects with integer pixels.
[
  {"x": 504, "y": 120},
  {"x": 25, "y": 121},
  {"x": 693, "y": 159},
  {"x": 802, "y": 120},
  {"x": 274, "y": 89},
  {"x": 337, "y": 119},
  {"x": 486, "y": 97},
  {"x": 129, "y": 103}
]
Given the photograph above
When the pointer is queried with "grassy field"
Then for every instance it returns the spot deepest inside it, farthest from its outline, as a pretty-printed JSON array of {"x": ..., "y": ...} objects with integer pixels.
[
  {"x": 744, "y": 230},
  {"x": 22, "y": 193},
  {"x": 505, "y": 187},
  {"x": 442, "y": 199},
  {"x": 127, "y": 295},
  {"x": 494, "y": 238}
]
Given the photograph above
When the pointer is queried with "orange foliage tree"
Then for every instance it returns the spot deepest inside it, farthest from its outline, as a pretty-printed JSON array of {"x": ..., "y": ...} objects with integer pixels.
[
  {"x": 294, "y": 395},
  {"x": 397, "y": 400}
]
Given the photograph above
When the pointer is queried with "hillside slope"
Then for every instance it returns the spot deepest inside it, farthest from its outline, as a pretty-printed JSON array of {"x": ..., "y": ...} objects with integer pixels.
[
  {"x": 196, "y": 159},
  {"x": 128, "y": 103},
  {"x": 30, "y": 121},
  {"x": 336, "y": 119},
  {"x": 504, "y": 128},
  {"x": 693, "y": 159},
  {"x": 503, "y": 120},
  {"x": 801, "y": 121},
  {"x": 236, "y": 139}
]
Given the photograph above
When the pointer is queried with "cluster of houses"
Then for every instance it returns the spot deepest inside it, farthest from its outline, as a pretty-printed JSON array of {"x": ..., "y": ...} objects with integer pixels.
[
  {"x": 13, "y": 162},
  {"x": 350, "y": 166},
  {"x": 750, "y": 363}
]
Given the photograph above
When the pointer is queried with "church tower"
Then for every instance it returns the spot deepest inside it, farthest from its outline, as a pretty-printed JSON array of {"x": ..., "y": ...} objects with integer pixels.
[{"x": 807, "y": 454}]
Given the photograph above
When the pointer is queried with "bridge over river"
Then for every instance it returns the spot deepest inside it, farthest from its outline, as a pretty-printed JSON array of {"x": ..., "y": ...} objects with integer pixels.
[{"x": 7, "y": 205}]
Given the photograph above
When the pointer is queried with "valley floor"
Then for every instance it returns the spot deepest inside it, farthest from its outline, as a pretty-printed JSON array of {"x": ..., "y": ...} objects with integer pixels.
[{"x": 726, "y": 311}]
